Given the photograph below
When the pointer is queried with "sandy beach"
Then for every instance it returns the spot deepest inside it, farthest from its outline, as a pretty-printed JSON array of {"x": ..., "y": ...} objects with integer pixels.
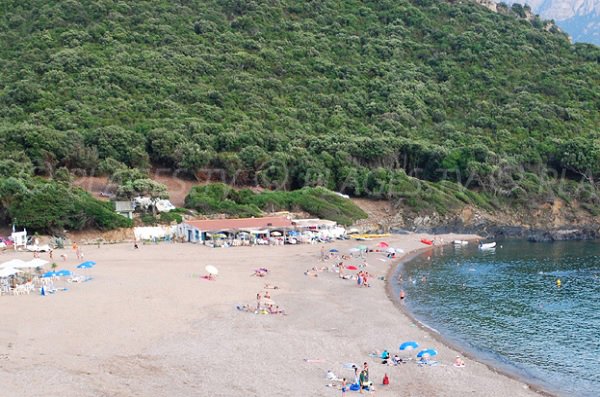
[{"x": 148, "y": 325}]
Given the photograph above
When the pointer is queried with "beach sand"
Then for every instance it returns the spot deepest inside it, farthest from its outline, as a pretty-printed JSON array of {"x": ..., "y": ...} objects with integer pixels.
[{"x": 147, "y": 325}]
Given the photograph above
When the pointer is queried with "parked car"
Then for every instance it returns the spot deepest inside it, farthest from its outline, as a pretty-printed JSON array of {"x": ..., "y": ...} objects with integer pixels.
[{"x": 38, "y": 248}]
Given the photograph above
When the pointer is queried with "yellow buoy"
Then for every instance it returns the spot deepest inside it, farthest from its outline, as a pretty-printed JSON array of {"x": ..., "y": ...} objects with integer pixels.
[{"x": 558, "y": 282}]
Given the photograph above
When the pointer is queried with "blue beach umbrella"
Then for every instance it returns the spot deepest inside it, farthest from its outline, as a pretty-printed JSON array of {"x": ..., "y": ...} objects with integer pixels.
[
  {"x": 49, "y": 274},
  {"x": 409, "y": 346},
  {"x": 333, "y": 250},
  {"x": 64, "y": 273},
  {"x": 427, "y": 353},
  {"x": 86, "y": 265}
]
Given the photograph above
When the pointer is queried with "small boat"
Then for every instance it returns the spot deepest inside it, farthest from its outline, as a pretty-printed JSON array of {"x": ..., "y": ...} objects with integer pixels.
[
  {"x": 487, "y": 246},
  {"x": 425, "y": 241},
  {"x": 460, "y": 242}
]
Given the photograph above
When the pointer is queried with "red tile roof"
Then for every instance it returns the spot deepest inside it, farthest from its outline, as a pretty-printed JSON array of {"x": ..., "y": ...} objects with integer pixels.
[{"x": 215, "y": 225}]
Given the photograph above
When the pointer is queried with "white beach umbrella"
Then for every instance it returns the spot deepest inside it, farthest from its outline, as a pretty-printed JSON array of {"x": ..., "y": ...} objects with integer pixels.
[
  {"x": 12, "y": 263},
  {"x": 212, "y": 270},
  {"x": 36, "y": 262},
  {"x": 8, "y": 271}
]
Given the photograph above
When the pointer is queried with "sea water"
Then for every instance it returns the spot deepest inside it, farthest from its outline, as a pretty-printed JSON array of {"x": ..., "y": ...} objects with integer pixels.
[{"x": 505, "y": 306}]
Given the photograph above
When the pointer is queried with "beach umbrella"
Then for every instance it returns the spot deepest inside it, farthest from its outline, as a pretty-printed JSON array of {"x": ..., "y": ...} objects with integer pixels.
[
  {"x": 351, "y": 267},
  {"x": 391, "y": 250},
  {"x": 64, "y": 273},
  {"x": 36, "y": 262},
  {"x": 399, "y": 250},
  {"x": 91, "y": 263},
  {"x": 383, "y": 244},
  {"x": 409, "y": 346},
  {"x": 13, "y": 263},
  {"x": 333, "y": 250},
  {"x": 276, "y": 234},
  {"x": 362, "y": 247},
  {"x": 427, "y": 353},
  {"x": 212, "y": 270},
  {"x": 8, "y": 271},
  {"x": 354, "y": 250},
  {"x": 85, "y": 265},
  {"x": 49, "y": 274}
]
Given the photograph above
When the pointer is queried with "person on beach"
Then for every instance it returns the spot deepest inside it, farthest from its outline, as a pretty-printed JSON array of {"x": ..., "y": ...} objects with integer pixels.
[
  {"x": 322, "y": 253},
  {"x": 258, "y": 298},
  {"x": 364, "y": 380},
  {"x": 459, "y": 362},
  {"x": 340, "y": 267},
  {"x": 402, "y": 295},
  {"x": 356, "y": 375},
  {"x": 343, "y": 387}
]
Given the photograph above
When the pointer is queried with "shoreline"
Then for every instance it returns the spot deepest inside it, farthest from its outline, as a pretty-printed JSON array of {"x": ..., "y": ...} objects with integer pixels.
[{"x": 438, "y": 336}]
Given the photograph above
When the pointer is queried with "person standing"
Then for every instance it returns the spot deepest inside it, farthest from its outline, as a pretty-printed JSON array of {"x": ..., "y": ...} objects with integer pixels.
[
  {"x": 364, "y": 380},
  {"x": 343, "y": 387},
  {"x": 356, "y": 376}
]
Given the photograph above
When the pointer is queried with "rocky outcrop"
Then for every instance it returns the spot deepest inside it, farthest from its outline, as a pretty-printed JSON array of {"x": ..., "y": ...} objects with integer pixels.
[
  {"x": 553, "y": 221},
  {"x": 578, "y": 18}
]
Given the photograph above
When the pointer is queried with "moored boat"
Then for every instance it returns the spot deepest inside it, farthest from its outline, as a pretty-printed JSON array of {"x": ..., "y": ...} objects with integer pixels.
[{"x": 486, "y": 246}]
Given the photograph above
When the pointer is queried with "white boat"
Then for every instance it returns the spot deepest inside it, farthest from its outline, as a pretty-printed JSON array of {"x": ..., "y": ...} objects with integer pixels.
[
  {"x": 460, "y": 242},
  {"x": 487, "y": 246}
]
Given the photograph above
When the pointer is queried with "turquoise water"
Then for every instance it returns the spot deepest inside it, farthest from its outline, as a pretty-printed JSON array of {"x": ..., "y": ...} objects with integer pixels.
[{"x": 505, "y": 307}]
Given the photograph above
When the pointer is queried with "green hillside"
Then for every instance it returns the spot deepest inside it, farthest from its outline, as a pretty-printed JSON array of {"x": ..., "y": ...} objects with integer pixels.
[{"x": 356, "y": 96}]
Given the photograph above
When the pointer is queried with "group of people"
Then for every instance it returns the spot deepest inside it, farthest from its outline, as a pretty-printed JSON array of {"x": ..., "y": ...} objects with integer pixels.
[
  {"x": 387, "y": 359},
  {"x": 362, "y": 278},
  {"x": 360, "y": 382},
  {"x": 264, "y": 304}
]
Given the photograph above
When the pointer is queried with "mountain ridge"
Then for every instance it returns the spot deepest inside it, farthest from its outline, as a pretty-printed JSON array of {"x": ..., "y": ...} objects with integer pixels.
[{"x": 579, "y": 18}]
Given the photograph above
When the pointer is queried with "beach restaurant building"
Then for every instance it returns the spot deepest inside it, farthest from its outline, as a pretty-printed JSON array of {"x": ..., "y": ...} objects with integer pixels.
[{"x": 196, "y": 231}]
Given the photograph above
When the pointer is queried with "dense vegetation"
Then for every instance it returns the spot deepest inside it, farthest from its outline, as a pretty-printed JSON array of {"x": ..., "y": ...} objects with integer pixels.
[
  {"x": 373, "y": 97},
  {"x": 38, "y": 204},
  {"x": 219, "y": 198}
]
